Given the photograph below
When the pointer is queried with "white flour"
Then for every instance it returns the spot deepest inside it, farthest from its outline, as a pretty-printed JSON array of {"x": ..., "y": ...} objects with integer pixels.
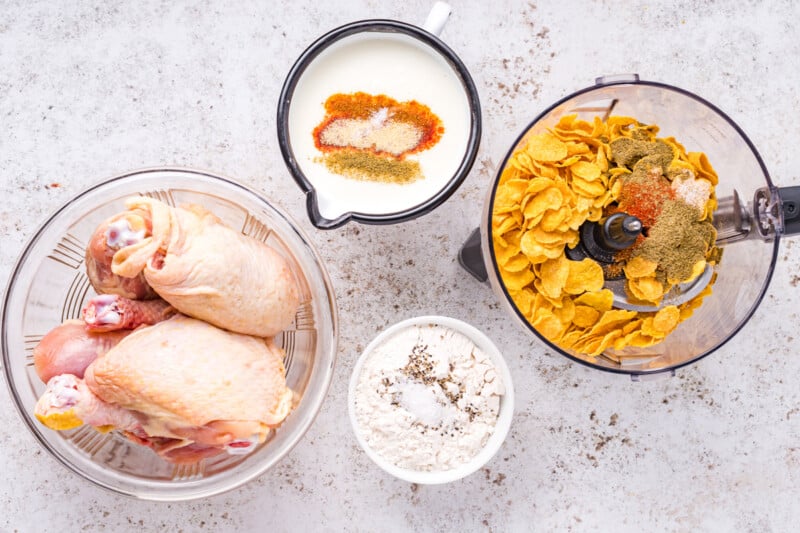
[{"x": 427, "y": 399}]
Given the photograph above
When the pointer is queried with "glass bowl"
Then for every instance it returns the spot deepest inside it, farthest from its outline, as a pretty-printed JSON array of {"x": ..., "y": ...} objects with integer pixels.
[{"x": 49, "y": 285}]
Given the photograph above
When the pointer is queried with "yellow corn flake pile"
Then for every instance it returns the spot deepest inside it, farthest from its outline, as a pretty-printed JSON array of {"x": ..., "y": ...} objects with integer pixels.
[{"x": 548, "y": 189}]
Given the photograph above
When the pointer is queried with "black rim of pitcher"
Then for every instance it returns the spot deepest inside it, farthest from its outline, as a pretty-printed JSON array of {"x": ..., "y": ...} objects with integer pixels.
[{"x": 285, "y": 100}]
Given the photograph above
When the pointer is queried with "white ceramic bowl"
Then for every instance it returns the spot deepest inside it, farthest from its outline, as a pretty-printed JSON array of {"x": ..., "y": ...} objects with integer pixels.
[{"x": 503, "y": 420}]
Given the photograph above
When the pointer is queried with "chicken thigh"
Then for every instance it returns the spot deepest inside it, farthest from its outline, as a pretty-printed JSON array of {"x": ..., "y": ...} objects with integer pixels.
[
  {"x": 179, "y": 383},
  {"x": 184, "y": 375},
  {"x": 209, "y": 271}
]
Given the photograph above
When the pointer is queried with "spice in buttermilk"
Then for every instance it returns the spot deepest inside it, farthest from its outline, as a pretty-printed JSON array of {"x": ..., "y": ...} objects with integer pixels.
[
  {"x": 365, "y": 166},
  {"x": 368, "y": 137}
]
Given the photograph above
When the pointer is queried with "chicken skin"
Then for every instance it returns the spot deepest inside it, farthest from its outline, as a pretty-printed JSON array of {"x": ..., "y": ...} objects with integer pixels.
[
  {"x": 70, "y": 349},
  {"x": 209, "y": 271},
  {"x": 181, "y": 382},
  {"x": 123, "y": 229},
  {"x": 184, "y": 374}
]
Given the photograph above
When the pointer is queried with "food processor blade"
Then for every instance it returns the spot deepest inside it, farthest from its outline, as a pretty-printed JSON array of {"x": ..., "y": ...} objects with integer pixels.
[{"x": 679, "y": 294}]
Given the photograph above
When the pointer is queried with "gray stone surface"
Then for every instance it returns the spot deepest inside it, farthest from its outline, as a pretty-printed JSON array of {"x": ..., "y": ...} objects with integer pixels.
[{"x": 88, "y": 90}]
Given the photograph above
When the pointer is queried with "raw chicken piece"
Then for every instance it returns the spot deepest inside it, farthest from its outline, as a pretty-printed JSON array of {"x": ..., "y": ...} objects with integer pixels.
[
  {"x": 72, "y": 346},
  {"x": 189, "y": 380},
  {"x": 68, "y": 403},
  {"x": 123, "y": 229},
  {"x": 182, "y": 387},
  {"x": 209, "y": 271},
  {"x": 69, "y": 349},
  {"x": 110, "y": 312}
]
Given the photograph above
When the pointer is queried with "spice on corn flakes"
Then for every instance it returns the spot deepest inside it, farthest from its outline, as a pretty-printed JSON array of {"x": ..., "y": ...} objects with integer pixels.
[{"x": 581, "y": 171}]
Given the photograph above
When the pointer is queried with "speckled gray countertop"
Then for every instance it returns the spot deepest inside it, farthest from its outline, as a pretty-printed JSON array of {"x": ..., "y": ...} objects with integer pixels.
[{"x": 88, "y": 91}]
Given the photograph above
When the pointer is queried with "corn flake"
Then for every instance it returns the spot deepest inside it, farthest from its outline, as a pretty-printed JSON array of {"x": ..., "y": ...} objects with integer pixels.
[
  {"x": 666, "y": 319},
  {"x": 546, "y": 147},
  {"x": 585, "y": 316},
  {"x": 517, "y": 280},
  {"x": 646, "y": 289},
  {"x": 584, "y": 276},
  {"x": 639, "y": 267},
  {"x": 585, "y": 170}
]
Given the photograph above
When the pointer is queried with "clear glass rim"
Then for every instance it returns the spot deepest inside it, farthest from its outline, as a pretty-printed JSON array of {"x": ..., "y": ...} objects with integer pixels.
[{"x": 191, "y": 489}]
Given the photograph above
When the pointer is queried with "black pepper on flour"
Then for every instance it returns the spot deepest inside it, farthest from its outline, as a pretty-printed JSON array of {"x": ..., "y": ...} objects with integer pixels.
[{"x": 428, "y": 399}]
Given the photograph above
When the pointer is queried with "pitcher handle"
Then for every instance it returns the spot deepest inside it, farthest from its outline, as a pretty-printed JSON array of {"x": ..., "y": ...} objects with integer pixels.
[{"x": 437, "y": 18}]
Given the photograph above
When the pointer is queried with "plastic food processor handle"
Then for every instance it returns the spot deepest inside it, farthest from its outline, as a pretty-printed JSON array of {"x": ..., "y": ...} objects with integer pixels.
[
  {"x": 790, "y": 199},
  {"x": 471, "y": 258}
]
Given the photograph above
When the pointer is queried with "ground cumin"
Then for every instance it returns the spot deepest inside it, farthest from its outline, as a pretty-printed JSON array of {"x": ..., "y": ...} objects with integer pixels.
[
  {"x": 369, "y": 167},
  {"x": 639, "y": 155},
  {"x": 678, "y": 240}
]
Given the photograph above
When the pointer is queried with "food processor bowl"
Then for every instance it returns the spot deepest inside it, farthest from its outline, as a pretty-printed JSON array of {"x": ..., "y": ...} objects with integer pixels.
[
  {"x": 750, "y": 220},
  {"x": 49, "y": 285}
]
